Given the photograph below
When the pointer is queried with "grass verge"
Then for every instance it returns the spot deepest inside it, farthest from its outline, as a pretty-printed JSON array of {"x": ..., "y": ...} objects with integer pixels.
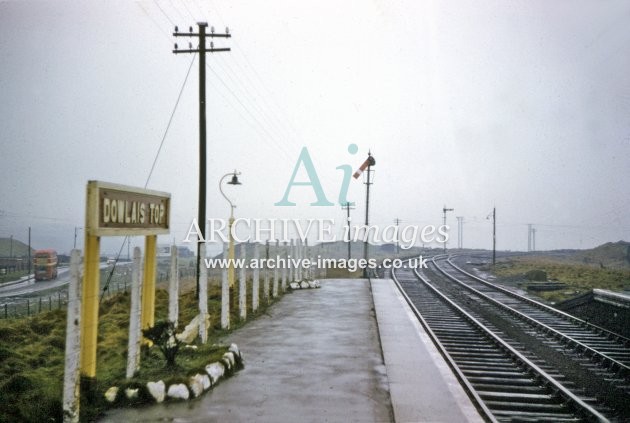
[{"x": 32, "y": 356}]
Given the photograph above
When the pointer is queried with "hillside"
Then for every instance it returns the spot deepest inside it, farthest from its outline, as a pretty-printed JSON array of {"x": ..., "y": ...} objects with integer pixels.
[
  {"x": 19, "y": 248},
  {"x": 609, "y": 255}
]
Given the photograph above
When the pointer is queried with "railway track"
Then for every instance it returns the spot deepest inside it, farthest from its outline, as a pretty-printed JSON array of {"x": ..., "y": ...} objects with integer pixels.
[{"x": 515, "y": 369}]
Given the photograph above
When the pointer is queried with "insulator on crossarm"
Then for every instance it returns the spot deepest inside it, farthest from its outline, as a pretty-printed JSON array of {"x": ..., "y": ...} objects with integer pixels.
[
  {"x": 175, "y": 46},
  {"x": 176, "y": 29},
  {"x": 212, "y": 30},
  {"x": 227, "y": 30},
  {"x": 190, "y": 45},
  {"x": 190, "y": 29}
]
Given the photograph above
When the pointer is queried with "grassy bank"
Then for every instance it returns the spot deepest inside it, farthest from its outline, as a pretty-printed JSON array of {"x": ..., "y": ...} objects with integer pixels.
[
  {"x": 578, "y": 278},
  {"x": 32, "y": 355}
]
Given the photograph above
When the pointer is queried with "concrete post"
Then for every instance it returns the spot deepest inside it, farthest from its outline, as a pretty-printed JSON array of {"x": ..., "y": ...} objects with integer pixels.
[
  {"x": 284, "y": 268},
  {"x": 135, "y": 334},
  {"x": 242, "y": 286},
  {"x": 298, "y": 254},
  {"x": 291, "y": 256},
  {"x": 71, "y": 379},
  {"x": 173, "y": 288},
  {"x": 203, "y": 295},
  {"x": 275, "y": 271},
  {"x": 225, "y": 294},
  {"x": 308, "y": 270},
  {"x": 256, "y": 278},
  {"x": 266, "y": 270}
]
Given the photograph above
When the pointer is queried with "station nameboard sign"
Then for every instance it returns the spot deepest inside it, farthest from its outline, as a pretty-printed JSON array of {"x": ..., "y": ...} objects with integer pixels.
[{"x": 118, "y": 210}]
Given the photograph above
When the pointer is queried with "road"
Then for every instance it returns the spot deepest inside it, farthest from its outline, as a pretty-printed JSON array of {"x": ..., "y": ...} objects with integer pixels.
[{"x": 19, "y": 292}]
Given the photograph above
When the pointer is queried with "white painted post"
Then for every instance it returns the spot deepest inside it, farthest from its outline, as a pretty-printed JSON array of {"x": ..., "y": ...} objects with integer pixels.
[
  {"x": 284, "y": 268},
  {"x": 256, "y": 278},
  {"x": 298, "y": 253},
  {"x": 275, "y": 271},
  {"x": 71, "y": 379},
  {"x": 173, "y": 288},
  {"x": 135, "y": 332},
  {"x": 266, "y": 283},
  {"x": 225, "y": 293},
  {"x": 291, "y": 256},
  {"x": 308, "y": 270},
  {"x": 203, "y": 295},
  {"x": 242, "y": 286}
]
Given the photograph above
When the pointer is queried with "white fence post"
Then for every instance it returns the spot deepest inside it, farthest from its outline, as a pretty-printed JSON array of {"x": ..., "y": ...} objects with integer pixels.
[
  {"x": 203, "y": 295},
  {"x": 256, "y": 278},
  {"x": 71, "y": 379},
  {"x": 225, "y": 293},
  {"x": 284, "y": 268},
  {"x": 275, "y": 270},
  {"x": 135, "y": 333},
  {"x": 266, "y": 283},
  {"x": 291, "y": 257},
  {"x": 308, "y": 270},
  {"x": 242, "y": 286},
  {"x": 298, "y": 253},
  {"x": 173, "y": 288}
]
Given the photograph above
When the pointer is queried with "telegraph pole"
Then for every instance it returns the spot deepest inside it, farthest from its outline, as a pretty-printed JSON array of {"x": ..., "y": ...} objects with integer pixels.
[
  {"x": 397, "y": 222},
  {"x": 460, "y": 232},
  {"x": 347, "y": 206},
  {"x": 494, "y": 235},
  {"x": 444, "y": 210},
  {"x": 529, "y": 237},
  {"x": 533, "y": 239},
  {"x": 202, "y": 50}
]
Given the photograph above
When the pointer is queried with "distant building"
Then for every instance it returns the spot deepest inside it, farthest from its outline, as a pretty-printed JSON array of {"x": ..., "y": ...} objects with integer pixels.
[{"x": 164, "y": 251}]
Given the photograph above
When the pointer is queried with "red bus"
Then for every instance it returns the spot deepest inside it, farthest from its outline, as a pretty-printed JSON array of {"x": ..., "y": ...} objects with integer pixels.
[{"x": 45, "y": 264}]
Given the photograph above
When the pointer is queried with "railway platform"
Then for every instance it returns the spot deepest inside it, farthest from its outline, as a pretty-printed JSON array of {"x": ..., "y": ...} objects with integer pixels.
[{"x": 350, "y": 351}]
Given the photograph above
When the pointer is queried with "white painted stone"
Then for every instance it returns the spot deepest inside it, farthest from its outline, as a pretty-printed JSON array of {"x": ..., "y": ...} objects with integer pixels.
[
  {"x": 111, "y": 393},
  {"x": 314, "y": 284},
  {"x": 157, "y": 390},
  {"x": 190, "y": 332},
  {"x": 131, "y": 393},
  {"x": 229, "y": 356},
  {"x": 216, "y": 371},
  {"x": 196, "y": 385},
  {"x": 294, "y": 285},
  {"x": 234, "y": 349},
  {"x": 304, "y": 284},
  {"x": 205, "y": 381},
  {"x": 178, "y": 391}
]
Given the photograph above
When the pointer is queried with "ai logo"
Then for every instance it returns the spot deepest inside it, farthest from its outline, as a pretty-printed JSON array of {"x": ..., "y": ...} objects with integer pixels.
[{"x": 305, "y": 161}]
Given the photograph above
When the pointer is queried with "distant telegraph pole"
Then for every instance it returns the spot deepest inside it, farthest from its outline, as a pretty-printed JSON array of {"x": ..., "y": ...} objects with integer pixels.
[
  {"x": 202, "y": 50},
  {"x": 494, "y": 234},
  {"x": 460, "y": 232},
  {"x": 444, "y": 210},
  {"x": 347, "y": 207},
  {"x": 397, "y": 222}
]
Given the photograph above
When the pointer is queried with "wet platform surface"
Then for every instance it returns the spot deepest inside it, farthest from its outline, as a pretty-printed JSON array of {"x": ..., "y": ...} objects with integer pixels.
[{"x": 333, "y": 354}]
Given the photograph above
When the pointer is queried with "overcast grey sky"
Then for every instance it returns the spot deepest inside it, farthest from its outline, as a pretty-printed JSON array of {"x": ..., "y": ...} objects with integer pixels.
[{"x": 522, "y": 105}]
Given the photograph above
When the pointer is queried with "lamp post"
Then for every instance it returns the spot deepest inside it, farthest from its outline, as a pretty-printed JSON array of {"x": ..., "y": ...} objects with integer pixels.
[{"x": 231, "y": 275}]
